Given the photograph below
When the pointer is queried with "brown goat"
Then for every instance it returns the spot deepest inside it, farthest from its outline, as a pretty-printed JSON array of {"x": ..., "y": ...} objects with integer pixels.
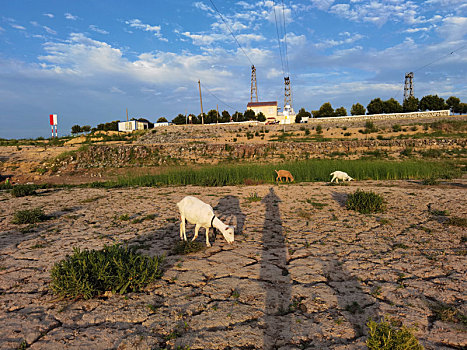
[{"x": 284, "y": 173}]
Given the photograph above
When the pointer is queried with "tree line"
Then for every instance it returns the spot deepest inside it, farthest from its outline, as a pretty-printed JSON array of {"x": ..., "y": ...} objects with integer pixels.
[{"x": 376, "y": 106}]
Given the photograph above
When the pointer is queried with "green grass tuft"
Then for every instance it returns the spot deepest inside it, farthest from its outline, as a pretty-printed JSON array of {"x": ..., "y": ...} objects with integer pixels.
[
  {"x": 29, "y": 216},
  {"x": 187, "y": 247},
  {"x": 386, "y": 336},
  {"x": 23, "y": 190},
  {"x": 365, "y": 202},
  {"x": 89, "y": 273}
]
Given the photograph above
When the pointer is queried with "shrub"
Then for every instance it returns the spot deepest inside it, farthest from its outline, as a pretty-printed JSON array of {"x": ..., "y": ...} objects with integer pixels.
[
  {"x": 29, "y": 216},
  {"x": 431, "y": 181},
  {"x": 89, "y": 273},
  {"x": 457, "y": 221},
  {"x": 386, "y": 336},
  {"x": 23, "y": 190},
  {"x": 396, "y": 128},
  {"x": 319, "y": 129},
  {"x": 5, "y": 185},
  {"x": 365, "y": 202}
]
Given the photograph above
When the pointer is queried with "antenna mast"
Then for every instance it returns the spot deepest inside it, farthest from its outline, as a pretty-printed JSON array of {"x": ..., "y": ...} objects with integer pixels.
[
  {"x": 254, "y": 88},
  {"x": 201, "y": 102},
  {"x": 408, "y": 86}
]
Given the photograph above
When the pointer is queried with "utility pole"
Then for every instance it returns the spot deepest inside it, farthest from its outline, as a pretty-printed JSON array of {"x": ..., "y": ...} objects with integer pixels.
[
  {"x": 201, "y": 102},
  {"x": 408, "y": 86},
  {"x": 127, "y": 114},
  {"x": 217, "y": 119}
]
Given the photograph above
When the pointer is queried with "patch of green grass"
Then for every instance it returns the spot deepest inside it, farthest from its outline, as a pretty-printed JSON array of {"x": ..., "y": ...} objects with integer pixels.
[
  {"x": 29, "y": 216},
  {"x": 457, "y": 221},
  {"x": 304, "y": 171},
  {"x": 89, "y": 273},
  {"x": 387, "y": 336},
  {"x": 6, "y": 185},
  {"x": 316, "y": 205},
  {"x": 187, "y": 247},
  {"x": 365, "y": 202},
  {"x": 447, "y": 313},
  {"x": 23, "y": 190},
  {"x": 437, "y": 212},
  {"x": 253, "y": 198},
  {"x": 124, "y": 217}
]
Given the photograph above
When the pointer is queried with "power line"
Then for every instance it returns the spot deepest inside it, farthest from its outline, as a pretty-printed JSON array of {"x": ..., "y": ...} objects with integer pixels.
[
  {"x": 285, "y": 38},
  {"x": 439, "y": 59},
  {"x": 204, "y": 87},
  {"x": 278, "y": 39},
  {"x": 228, "y": 27}
]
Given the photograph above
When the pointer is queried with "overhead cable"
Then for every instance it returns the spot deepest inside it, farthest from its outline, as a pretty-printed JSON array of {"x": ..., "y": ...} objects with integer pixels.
[{"x": 228, "y": 27}]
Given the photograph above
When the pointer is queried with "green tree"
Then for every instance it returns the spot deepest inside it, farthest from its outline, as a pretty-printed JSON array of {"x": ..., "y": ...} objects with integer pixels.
[
  {"x": 302, "y": 113},
  {"x": 111, "y": 126},
  {"x": 392, "y": 106},
  {"x": 376, "y": 106},
  {"x": 211, "y": 117},
  {"x": 341, "y": 112},
  {"x": 200, "y": 119},
  {"x": 357, "y": 109},
  {"x": 225, "y": 117},
  {"x": 249, "y": 115},
  {"x": 237, "y": 117},
  {"x": 86, "y": 128},
  {"x": 162, "y": 120},
  {"x": 454, "y": 104},
  {"x": 325, "y": 110},
  {"x": 260, "y": 117},
  {"x": 463, "y": 108},
  {"x": 432, "y": 103},
  {"x": 179, "y": 119},
  {"x": 75, "y": 129},
  {"x": 410, "y": 104}
]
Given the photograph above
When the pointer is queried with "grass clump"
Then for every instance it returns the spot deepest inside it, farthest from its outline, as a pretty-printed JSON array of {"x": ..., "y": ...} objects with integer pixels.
[
  {"x": 89, "y": 273},
  {"x": 253, "y": 198},
  {"x": 457, "y": 221},
  {"x": 365, "y": 202},
  {"x": 23, "y": 190},
  {"x": 187, "y": 247},
  {"x": 387, "y": 336},
  {"x": 29, "y": 216}
]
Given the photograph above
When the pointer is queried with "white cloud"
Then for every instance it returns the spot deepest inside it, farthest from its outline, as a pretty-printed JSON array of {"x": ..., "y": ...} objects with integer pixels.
[
  {"x": 97, "y": 29},
  {"x": 379, "y": 12},
  {"x": 203, "y": 6},
  {"x": 49, "y": 30},
  {"x": 453, "y": 28},
  {"x": 49, "y": 15},
  {"x": 322, "y": 4},
  {"x": 205, "y": 39},
  {"x": 116, "y": 90},
  {"x": 17, "y": 26},
  {"x": 248, "y": 38},
  {"x": 70, "y": 16},
  {"x": 136, "y": 23},
  {"x": 345, "y": 38}
]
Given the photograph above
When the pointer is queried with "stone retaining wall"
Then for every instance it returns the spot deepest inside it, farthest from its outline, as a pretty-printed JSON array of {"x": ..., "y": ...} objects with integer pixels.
[{"x": 100, "y": 156}]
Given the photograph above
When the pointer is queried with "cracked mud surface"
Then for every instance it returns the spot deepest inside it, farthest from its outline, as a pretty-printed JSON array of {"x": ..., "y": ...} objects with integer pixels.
[{"x": 298, "y": 276}]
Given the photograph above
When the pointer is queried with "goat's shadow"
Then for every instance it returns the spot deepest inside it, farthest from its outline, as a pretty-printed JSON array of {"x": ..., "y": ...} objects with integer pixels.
[
  {"x": 230, "y": 213},
  {"x": 340, "y": 198}
]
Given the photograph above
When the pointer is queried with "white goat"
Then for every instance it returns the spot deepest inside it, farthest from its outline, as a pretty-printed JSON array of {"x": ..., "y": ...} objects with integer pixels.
[
  {"x": 201, "y": 214},
  {"x": 340, "y": 175}
]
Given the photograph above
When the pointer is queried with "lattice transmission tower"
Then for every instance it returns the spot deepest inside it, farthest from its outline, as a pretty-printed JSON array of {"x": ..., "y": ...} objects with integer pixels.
[
  {"x": 408, "y": 86},
  {"x": 288, "y": 92},
  {"x": 254, "y": 87}
]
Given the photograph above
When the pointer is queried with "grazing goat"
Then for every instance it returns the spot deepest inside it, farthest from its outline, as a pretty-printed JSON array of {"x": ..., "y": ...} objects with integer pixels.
[
  {"x": 284, "y": 173},
  {"x": 340, "y": 175},
  {"x": 201, "y": 214}
]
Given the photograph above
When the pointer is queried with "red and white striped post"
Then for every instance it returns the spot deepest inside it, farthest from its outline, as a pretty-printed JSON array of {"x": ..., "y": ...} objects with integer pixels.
[{"x": 53, "y": 122}]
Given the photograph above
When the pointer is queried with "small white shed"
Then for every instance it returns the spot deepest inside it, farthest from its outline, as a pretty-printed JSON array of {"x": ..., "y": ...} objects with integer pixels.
[{"x": 132, "y": 125}]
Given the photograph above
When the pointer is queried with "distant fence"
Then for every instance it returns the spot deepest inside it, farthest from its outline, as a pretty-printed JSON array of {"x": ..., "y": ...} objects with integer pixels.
[{"x": 429, "y": 114}]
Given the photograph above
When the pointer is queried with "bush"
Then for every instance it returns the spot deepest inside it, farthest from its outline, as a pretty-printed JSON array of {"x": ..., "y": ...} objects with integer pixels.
[
  {"x": 29, "y": 216},
  {"x": 23, "y": 190},
  {"x": 386, "y": 336},
  {"x": 396, "y": 128},
  {"x": 365, "y": 202},
  {"x": 90, "y": 273}
]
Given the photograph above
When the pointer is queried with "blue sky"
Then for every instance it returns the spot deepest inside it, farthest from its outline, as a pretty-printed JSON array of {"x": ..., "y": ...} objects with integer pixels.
[{"x": 88, "y": 61}]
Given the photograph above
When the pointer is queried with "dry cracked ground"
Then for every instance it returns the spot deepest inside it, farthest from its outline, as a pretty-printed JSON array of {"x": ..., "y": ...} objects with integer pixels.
[{"x": 303, "y": 272}]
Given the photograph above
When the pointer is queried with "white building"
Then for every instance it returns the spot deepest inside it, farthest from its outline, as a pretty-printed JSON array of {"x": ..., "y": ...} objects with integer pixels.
[{"x": 132, "y": 125}]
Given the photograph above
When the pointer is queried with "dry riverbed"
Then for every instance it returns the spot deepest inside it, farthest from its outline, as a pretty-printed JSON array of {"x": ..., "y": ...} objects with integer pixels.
[{"x": 303, "y": 272}]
